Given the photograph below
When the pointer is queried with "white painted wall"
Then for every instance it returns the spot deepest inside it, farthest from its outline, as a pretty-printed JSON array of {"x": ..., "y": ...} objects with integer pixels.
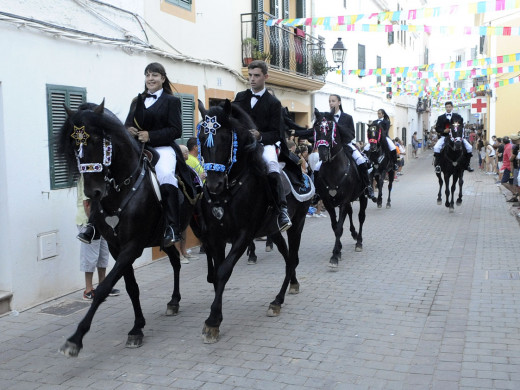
[{"x": 34, "y": 59}]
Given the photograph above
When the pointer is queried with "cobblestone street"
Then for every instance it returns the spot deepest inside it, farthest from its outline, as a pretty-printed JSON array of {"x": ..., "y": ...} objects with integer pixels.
[{"x": 432, "y": 302}]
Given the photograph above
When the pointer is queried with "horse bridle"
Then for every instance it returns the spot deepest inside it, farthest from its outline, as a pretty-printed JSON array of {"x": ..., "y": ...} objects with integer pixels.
[
  {"x": 324, "y": 128},
  {"x": 104, "y": 167},
  {"x": 210, "y": 126}
]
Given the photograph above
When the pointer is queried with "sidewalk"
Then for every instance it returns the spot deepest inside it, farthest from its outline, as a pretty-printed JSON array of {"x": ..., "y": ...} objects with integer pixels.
[{"x": 432, "y": 302}]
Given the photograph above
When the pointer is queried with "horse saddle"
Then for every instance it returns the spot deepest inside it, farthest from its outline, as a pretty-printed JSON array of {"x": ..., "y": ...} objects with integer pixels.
[
  {"x": 301, "y": 187},
  {"x": 151, "y": 155}
]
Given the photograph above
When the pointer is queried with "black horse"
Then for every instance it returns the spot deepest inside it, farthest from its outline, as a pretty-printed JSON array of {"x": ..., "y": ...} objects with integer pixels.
[
  {"x": 126, "y": 208},
  {"x": 236, "y": 205},
  {"x": 382, "y": 164},
  {"x": 452, "y": 160},
  {"x": 337, "y": 182}
]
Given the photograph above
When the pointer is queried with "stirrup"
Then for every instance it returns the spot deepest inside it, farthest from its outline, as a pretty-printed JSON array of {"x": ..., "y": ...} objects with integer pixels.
[
  {"x": 170, "y": 237},
  {"x": 87, "y": 234},
  {"x": 284, "y": 222},
  {"x": 437, "y": 169}
]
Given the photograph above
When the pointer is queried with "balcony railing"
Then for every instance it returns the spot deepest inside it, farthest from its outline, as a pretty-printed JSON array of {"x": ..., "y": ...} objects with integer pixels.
[{"x": 285, "y": 48}]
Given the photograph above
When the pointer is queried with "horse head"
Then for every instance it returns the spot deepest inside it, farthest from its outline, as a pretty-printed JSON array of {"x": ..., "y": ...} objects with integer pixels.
[
  {"x": 326, "y": 137},
  {"x": 85, "y": 140},
  {"x": 455, "y": 136},
  {"x": 374, "y": 133},
  {"x": 224, "y": 142}
]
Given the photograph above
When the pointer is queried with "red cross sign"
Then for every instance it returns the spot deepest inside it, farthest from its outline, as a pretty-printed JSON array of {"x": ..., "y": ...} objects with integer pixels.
[{"x": 478, "y": 106}]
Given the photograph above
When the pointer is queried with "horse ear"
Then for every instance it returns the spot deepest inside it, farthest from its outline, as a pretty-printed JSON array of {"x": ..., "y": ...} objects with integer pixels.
[
  {"x": 317, "y": 113},
  {"x": 68, "y": 110},
  {"x": 202, "y": 109},
  {"x": 227, "y": 107},
  {"x": 101, "y": 108}
]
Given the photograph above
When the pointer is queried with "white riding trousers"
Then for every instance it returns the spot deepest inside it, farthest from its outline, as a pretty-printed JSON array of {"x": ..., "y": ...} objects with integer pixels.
[{"x": 165, "y": 167}]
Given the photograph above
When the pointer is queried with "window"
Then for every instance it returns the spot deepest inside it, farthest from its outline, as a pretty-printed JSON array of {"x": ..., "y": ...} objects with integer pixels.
[
  {"x": 186, "y": 4},
  {"x": 188, "y": 116},
  {"x": 57, "y": 95},
  {"x": 361, "y": 56}
]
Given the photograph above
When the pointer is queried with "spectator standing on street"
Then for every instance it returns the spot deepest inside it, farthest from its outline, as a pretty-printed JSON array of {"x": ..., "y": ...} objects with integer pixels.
[
  {"x": 507, "y": 174},
  {"x": 94, "y": 255},
  {"x": 415, "y": 145},
  {"x": 490, "y": 159}
]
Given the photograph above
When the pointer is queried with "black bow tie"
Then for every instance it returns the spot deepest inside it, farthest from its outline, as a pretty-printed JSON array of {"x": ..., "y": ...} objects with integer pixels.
[
  {"x": 149, "y": 95},
  {"x": 256, "y": 96},
  {"x": 336, "y": 116}
]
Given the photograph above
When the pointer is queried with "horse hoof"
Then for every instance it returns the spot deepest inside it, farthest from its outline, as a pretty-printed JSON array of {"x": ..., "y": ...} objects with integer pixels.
[
  {"x": 333, "y": 263},
  {"x": 251, "y": 260},
  {"x": 274, "y": 310},
  {"x": 379, "y": 205},
  {"x": 294, "y": 288},
  {"x": 359, "y": 248},
  {"x": 452, "y": 210},
  {"x": 459, "y": 202},
  {"x": 134, "y": 341},
  {"x": 69, "y": 349},
  {"x": 210, "y": 334},
  {"x": 172, "y": 310},
  {"x": 388, "y": 206},
  {"x": 439, "y": 202}
]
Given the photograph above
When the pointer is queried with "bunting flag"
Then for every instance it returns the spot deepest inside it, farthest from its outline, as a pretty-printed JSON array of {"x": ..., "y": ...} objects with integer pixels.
[
  {"x": 451, "y": 30},
  {"x": 474, "y": 8},
  {"x": 453, "y": 75},
  {"x": 488, "y": 62}
]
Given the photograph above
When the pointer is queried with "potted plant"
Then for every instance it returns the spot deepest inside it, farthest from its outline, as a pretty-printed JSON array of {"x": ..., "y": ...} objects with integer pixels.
[
  {"x": 260, "y": 55},
  {"x": 249, "y": 46},
  {"x": 319, "y": 64}
]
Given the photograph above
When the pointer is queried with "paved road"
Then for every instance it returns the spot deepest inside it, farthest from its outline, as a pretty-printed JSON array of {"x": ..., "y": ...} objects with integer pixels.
[{"x": 432, "y": 302}]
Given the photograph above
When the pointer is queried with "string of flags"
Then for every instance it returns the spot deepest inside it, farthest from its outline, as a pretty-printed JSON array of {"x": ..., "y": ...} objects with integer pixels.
[
  {"x": 488, "y": 62},
  {"x": 473, "y": 8},
  {"x": 452, "y": 30}
]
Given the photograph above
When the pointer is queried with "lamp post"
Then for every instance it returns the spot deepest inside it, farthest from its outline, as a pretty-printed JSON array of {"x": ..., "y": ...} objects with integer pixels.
[{"x": 338, "y": 55}]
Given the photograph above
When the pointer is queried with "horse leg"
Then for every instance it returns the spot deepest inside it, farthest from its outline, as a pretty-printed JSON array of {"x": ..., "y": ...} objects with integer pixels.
[
  {"x": 363, "y": 201},
  {"x": 353, "y": 232},
  {"x": 380, "y": 180},
  {"x": 135, "y": 336},
  {"x": 276, "y": 305},
  {"x": 338, "y": 232},
  {"x": 452, "y": 198},
  {"x": 74, "y": 344},
  {"x": 461, "y": 182},
  {"x": 439, "y": 196},
  {"x": 251, "y": 260},
  {"x": 447, "y": 189},
  {"x": 172, "y": 307},
  {"x": 391, "y": 177},
  {"x": 224, "y": 267}
]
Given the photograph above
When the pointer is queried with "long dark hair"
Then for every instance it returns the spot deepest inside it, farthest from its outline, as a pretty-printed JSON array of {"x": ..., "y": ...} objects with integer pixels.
[
  {"x": 155, "y": 67},
  {"x": 385, "y": 115}
]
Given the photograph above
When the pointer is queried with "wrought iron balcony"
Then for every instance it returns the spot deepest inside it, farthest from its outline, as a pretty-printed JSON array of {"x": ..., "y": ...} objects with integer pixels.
[{"x": 287, "y": 49}]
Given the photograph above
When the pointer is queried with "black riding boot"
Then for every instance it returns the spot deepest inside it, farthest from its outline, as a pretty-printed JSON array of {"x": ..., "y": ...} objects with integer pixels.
[
  {"x": 436, "y": 162},
  {"x": 365, "y": 180},
  {"x": 170, "y": 199},
  {"x": 468, "y": 160},
  {"x": 275, "y": 182}
]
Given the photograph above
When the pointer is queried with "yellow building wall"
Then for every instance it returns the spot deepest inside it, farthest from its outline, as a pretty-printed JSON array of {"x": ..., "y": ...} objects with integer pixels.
[{"x": 507, "y": 96}]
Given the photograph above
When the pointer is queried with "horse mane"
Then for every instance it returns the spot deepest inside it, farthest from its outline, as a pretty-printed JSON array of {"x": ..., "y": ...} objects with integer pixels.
[{"x": 106, "y": 123}]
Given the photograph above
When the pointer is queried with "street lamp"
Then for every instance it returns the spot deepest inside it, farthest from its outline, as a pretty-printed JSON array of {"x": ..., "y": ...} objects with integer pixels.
[{"x": 338, "y": 55}]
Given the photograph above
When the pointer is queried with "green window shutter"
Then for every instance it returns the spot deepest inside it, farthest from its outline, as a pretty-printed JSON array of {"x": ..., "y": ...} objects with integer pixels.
[
  {"x": 188, "y": 116},
  {"x": 58, "y": 95},
  {"x": 186, "y": 4}
]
